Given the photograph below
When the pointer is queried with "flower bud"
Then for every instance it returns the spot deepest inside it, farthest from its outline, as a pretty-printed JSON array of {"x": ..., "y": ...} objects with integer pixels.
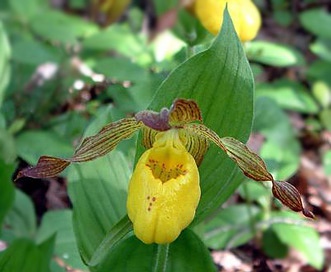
[{"x": 245, "y": 16}]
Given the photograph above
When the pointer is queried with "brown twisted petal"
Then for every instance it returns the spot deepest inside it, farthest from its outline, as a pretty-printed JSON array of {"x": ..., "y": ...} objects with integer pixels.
[
  {"x": 148, "y": 137},
  {"x": 196, "y": 145},
  {"x": 249, "y": 162},
  {"x": 91, "y": 148},
  {"x": 205, "y": 132},
  {"x": 289, "y": 196},
  {"x": 106, "y": 139},
  {"x": 46, "y": 167},
  {"x": 253, "y": 167}
]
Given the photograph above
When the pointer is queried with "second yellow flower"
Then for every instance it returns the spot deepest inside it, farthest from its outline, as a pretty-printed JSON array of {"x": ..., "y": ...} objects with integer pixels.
[{"x": 244, "y": 14}]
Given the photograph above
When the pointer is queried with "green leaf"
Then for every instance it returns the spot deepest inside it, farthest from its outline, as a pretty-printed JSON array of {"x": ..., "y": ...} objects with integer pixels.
[
  {"x": 272, "y": 246},
  {"x": 121, "y": 69},
  {"x": 59, "y": 223},
  {"x": 289, "y": 95},
  {"x": 119, "y": 37},
  {"x": 254, "y": 191},
  {"x": 24, "y": 255},
  {"x": 281, "y": 149},
  {"x": 2, "y": 121},
  {"x": 189, "y": 29},
  {"x": 38, "y": 52},
  {"x": 187, "y": 253},
  {"x": 7, "y": 192},
  {"x": 282, "y": 159},
  {"x": 267, "y": 114},
  {"x": 273, "y": 54},
  {"x": 27, "y": 9},
  {"x": 231, "y": 227},
  {"x": 322, "y": 93},
  {"x": 165, "y": 47},
  {"x": 57, "y": 26},
  {"x": 319, "y": 70},
  {"x": 325, "y": 117},
  {"x": 282, "y": 17},
  {"x": 5, "y": 54},
  {"x": 34, "y": 143},
  {"x": 7, "y": 146},
  {"x": 301, "y": 237},
  {"x": 220, "y": 81},
  {"x": 327, "y": 163},
  {"x": 21, "y": 218},
  {"x": 162, "y": 7},
  {"x": 120, "y": 231},
  {"x": 140, "y": 89},
  {"x": 322, "y": 48},
  {"x": 98, "y": 191},
  {"x": 317, "y": 21},
  {"x": 55, "y": 267}
]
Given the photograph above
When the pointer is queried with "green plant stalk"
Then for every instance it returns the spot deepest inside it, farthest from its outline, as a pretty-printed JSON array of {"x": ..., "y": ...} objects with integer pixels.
[
  {"x": 267, "y": 208},
  {"x": 161, "y": 258},
  {"x": 190, "y": 51},
  {"x": 111, "y": 240},
  {"x": 252, "y": 221}
]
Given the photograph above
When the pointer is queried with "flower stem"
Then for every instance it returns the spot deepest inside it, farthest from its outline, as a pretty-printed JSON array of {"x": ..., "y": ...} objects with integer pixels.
[
  {"x": 190, "y": 51},
  {"x": 118, "y": 232},
  {"x": 161, "y": 258},
  {"x": 252, "y": 221}
]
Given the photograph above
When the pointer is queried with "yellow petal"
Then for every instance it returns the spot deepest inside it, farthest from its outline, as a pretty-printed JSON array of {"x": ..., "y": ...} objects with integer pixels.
[{"x": 164, "y": 191}]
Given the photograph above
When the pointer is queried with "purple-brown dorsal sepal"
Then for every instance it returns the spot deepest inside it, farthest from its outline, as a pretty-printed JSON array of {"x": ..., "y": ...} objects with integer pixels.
[
  {"x": 155, "y": 120},
  {"x": 289, "y": 196}
]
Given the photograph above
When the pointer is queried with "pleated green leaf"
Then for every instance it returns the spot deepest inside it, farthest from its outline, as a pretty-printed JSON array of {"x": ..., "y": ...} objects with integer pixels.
[
  {"x": 5, "y": 53},
  {"x": 187, "y": 253},
  {"x": 304, "y": 238},
  {"x": 59, "y": 223},
  {"x": 21, "y": 220},
  {"x": 7, "y": 193},
  {"x": 24, "y": 255},
  {"x": 98, "y": 192}
]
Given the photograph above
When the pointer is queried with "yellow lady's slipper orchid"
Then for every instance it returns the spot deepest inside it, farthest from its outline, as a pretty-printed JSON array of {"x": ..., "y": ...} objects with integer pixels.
[
  {"x": 164, "y": 190},
  {"x": 244, "y": 14}
]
